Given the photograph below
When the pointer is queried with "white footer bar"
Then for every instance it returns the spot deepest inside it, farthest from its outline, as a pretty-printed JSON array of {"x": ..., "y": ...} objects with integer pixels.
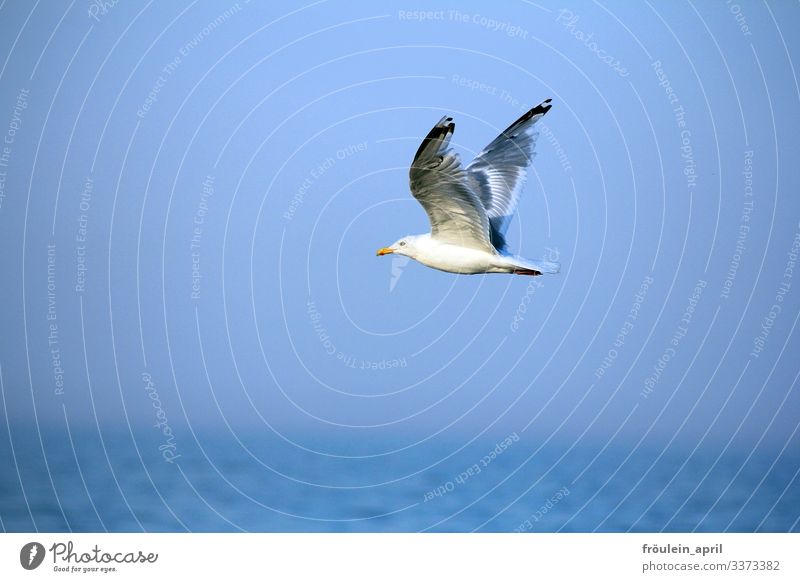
[{"x": 406, "y": 557}]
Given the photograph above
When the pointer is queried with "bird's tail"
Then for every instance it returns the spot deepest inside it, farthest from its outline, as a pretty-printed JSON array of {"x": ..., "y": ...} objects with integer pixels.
[{"x": 524, "y": 266}]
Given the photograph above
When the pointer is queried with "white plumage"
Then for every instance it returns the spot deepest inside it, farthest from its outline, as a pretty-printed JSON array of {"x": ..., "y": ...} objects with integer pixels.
[{"x": 470, "y": 208}]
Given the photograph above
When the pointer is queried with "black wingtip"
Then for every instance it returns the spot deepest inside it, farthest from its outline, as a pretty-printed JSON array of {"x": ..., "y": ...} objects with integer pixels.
[
  {"x": 540, "y": 109},
  {"x": 439, "y": 133}
]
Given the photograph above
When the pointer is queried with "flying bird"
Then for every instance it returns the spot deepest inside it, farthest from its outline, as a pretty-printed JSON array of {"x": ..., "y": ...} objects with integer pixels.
[{"x": 470, "y": 208}]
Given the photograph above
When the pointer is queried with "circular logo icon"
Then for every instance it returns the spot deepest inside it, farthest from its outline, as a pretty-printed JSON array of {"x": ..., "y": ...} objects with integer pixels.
[{"x": 31, "y": 555}]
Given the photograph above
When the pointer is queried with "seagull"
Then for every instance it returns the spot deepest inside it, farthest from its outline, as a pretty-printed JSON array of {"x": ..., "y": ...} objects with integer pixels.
[{"x": 470, "y": 208}]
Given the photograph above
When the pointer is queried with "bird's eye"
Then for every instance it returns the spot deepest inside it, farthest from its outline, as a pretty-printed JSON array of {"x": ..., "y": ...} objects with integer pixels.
[{"x": 403, "y": 243}]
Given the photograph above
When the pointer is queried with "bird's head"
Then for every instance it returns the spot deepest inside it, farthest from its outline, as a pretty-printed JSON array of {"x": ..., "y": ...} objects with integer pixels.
[{"x": 405, "y": 246}]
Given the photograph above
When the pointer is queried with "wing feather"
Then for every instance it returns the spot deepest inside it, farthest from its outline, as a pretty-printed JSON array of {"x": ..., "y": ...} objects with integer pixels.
[
  {"x": 439, "y": 183},
  {"x": 498, "y": 173}
]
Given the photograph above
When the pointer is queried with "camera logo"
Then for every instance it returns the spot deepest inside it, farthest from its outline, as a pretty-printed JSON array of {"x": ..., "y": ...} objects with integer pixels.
[{"x": 31, "y": 555}]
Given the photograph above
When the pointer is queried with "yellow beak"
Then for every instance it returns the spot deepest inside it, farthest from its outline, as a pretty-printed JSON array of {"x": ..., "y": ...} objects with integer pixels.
[{"x": 384, "y": 251}]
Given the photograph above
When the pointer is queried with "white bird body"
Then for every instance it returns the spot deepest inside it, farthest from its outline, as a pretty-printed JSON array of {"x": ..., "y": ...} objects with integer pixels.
[
  {"x": 451, "y": 258},
  {"x": 469, "y": 208}
]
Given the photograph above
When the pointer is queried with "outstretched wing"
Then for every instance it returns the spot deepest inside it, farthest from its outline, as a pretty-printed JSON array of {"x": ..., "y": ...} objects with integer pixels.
[
  {"x": 440, "y": 184},
  {"x": 498, "y": 173}
]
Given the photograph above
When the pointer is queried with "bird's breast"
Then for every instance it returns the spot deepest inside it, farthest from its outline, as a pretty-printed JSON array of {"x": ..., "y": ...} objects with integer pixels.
[{"x": 455, "y": 259}]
